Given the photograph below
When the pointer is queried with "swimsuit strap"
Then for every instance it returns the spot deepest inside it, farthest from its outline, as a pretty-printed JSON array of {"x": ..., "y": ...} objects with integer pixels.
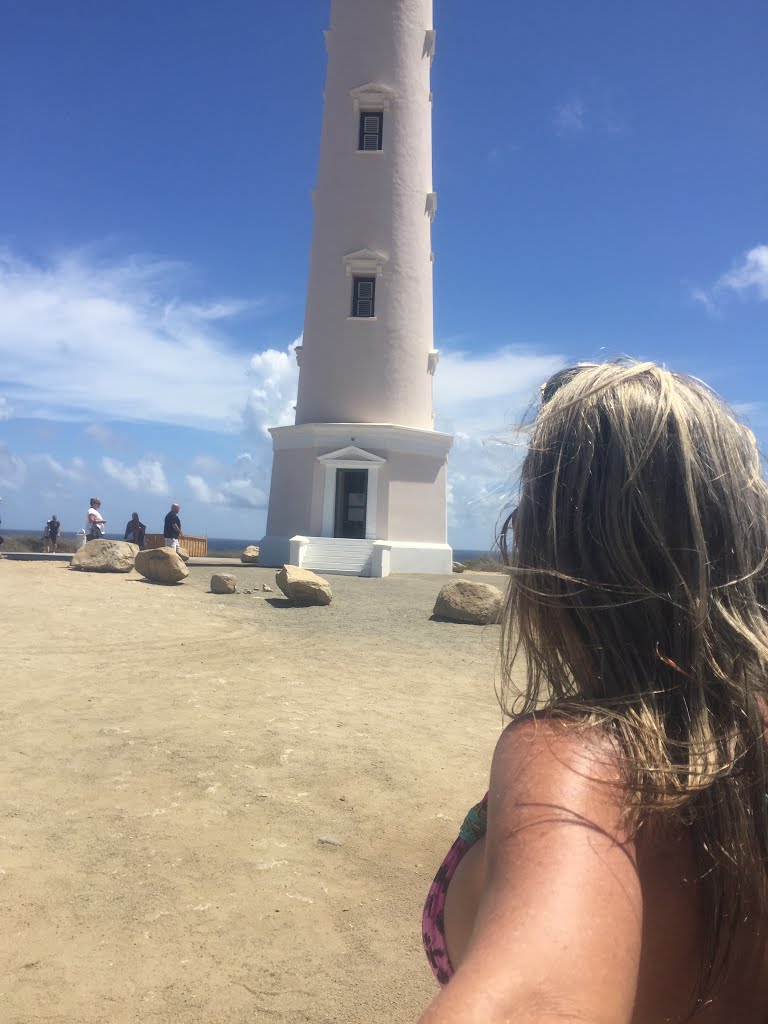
[{"x": 475, "y": 824}]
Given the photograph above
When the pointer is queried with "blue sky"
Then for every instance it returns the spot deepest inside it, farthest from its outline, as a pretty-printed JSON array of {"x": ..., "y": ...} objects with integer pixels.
[{"x": 602, "y": 190}]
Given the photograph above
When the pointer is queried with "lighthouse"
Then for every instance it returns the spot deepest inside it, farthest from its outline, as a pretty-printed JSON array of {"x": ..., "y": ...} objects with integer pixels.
[{"x": 359, "y": 481}]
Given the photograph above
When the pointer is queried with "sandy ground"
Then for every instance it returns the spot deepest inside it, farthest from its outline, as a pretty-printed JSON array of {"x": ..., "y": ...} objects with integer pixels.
[{"x": 221, "y": 809}]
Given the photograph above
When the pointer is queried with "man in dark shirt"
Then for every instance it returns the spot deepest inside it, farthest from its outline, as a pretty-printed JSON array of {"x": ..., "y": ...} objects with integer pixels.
[
  {"x": 172, "y": 527},
  {"x": 135, "y": 531},
  {"x": 51, "y": 535}
]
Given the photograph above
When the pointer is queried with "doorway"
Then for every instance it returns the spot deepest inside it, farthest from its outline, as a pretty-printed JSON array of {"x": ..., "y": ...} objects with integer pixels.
[{"x": 351, "y": 503}]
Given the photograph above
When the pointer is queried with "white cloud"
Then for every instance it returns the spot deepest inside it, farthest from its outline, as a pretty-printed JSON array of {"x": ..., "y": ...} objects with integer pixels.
[
  {"x": 273, "y": 396},
  {"x": 13, "y": 471},
  {"x": 569, "y": 116},
  {"x": 6, "y": 409},
  {"x": 748, "y": 278},
  {"x": 705, "y": 299},
  {"x": 208, "y": 463},
  {"x": 242, "y": 492},
  {"x": 81, "y": 338},
  {"x": 203, "y": 491},
  {"x": 74, "y": 471},
  {"x": 101, "y": 434},
  {"x": 481, "y": 400},
  {"x": 238, "y": 492},
  {"x": 146, "y": 475},
  {"x": 595, "y": 115}
]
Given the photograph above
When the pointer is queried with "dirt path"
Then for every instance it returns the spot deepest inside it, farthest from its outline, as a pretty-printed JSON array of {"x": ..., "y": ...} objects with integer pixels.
[{"x": 215, "y": 809}]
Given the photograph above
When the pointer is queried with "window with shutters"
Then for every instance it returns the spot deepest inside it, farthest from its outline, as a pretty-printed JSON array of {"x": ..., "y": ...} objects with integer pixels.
[
  {"x": 371, "y": 131},
  {"x": 363, "y": 296}
]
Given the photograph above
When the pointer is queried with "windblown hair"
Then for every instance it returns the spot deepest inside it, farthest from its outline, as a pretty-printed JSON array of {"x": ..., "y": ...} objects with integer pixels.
[{"x": 639, "y": 601}]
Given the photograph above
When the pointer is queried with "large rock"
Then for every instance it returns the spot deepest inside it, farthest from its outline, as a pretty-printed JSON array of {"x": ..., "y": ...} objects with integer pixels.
[
  {"x": 302, "y": 586},
  {"x": 459, "y": 567},
  {"x": 183, "y": 554},
  {"x": 105, "y": 556},
  {"x": 464, "y": 601},
  {"x": 162, "y": 565},
  {"x": 251, "y": 555},
  {"x": 223, "y": 583}
]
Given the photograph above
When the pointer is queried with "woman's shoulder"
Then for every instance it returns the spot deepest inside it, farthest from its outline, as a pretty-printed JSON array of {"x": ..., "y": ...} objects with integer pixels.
[
  {"x": 568, "y": 766},
  {"x": 565, "y": 743}
]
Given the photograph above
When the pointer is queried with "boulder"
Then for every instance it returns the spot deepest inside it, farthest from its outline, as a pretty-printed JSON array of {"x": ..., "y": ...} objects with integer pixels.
[
  {"x": 251, "y": 555},
  {"x": 105, "y": 556},
  {"x": 464, "y": 601},
  {"x": 162, "y": 565},
  {"x": 183, "y": 554},
  {"x": 302, "y": 586},
  {"x": 459, "y": 567},
  {"x": 223, "y": 583}
]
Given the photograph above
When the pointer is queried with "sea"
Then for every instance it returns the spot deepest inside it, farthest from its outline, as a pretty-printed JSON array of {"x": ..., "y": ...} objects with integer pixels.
[{"x": 235, "y": 543}]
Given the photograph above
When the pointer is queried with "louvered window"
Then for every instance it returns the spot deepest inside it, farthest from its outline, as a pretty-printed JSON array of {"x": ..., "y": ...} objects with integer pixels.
[
  {"x": 363, "y": 296},
  {"x": 371, "y": 130}
]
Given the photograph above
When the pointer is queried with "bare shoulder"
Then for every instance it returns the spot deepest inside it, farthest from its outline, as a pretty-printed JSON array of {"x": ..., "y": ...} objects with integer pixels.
[
  {"x": 560, "y": 771},
  {"x": 558, "y": 931}
]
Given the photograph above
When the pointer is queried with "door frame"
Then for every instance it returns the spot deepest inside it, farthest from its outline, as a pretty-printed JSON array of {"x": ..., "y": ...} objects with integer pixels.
[
  {"x": 350, "y": 458},
  {"x": 339, "y": 505}
]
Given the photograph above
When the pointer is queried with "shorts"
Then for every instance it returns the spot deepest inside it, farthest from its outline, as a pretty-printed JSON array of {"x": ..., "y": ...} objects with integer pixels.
[{"x": 171, "y": 542}]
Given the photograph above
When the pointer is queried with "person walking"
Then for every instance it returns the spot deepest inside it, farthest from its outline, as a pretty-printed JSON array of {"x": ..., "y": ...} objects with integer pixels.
[
  {"x": 172, "y": 527},
  {"x": 51, "y": 535},
  {"x": 135, "y": 531},
  {"x": 94, "y": 521}
]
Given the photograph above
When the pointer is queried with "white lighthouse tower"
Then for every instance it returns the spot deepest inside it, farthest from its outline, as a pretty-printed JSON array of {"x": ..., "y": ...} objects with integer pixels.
[{"x": 359, "y": 482}]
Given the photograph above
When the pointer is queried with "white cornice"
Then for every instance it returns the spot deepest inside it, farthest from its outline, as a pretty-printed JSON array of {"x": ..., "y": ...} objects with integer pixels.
[
  {"x": 365, "y": 261},
  {"x": 373, "y": 96},
  {"x": 351, "y": 454},
  {"x": 382, "y": 436}
]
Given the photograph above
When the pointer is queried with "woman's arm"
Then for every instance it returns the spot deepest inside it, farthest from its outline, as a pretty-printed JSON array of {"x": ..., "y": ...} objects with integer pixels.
[{"x": 558, "y": 932}]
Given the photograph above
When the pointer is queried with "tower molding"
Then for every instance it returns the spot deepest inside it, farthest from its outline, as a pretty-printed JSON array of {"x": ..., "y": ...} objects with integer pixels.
[
  {"x": 365, "y": 261},
  {"x": 372, "y": 97}
]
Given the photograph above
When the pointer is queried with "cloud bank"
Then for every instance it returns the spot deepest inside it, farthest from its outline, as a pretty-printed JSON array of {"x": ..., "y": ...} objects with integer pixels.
[
  {"x": 83, "y": 339},
  {"x": 747, "y": 279}
]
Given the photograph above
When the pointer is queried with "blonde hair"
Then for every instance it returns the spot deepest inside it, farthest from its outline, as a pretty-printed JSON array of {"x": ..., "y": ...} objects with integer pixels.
[{"x": 638, "y": 598}]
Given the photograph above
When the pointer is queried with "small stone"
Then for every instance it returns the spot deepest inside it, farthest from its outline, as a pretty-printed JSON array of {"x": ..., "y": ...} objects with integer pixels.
[
  {"x": 459, "y": 567},
  {"x": 342, "y": 798},
  {"x": 267, "y": 589},
  {"x": 328, "y": 841},
  {"x": 223, "y": 583},
  {"x": 246, "y": 591}
]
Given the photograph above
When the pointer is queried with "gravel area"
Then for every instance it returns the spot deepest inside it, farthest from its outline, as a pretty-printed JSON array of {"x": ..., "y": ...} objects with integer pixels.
[{"x": 221, "y": 808}]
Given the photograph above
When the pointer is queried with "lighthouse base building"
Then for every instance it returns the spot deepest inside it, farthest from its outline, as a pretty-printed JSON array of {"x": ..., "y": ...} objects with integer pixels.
[
  {"x": 367, "y": 499},
  {"x": 359, "y": 481}
]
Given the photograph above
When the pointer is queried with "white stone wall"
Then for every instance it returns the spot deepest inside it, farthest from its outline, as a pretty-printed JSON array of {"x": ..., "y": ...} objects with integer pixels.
[{"x": 355, "y": 370}]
